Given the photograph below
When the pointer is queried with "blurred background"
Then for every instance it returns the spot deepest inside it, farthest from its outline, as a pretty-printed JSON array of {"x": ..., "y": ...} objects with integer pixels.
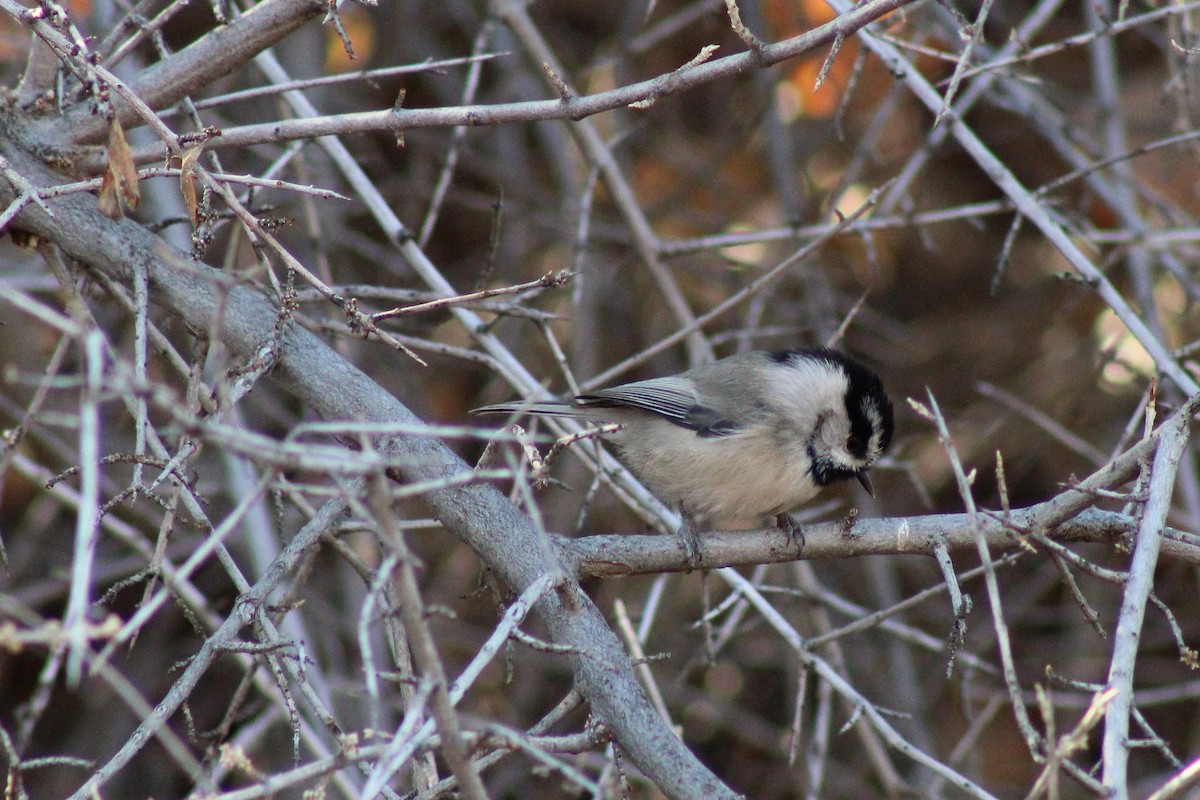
[{"x": 935, "y": 285}]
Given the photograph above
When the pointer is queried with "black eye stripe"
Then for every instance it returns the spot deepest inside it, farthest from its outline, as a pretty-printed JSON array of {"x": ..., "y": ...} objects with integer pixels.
[{"x": 870, "y": 413}]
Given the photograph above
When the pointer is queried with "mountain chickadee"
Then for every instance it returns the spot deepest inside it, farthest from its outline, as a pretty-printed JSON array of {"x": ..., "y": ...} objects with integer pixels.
[{"x": 738, "y": 441}]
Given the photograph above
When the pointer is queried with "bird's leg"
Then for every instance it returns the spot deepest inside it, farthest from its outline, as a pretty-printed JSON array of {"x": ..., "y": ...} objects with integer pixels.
[
  {"x": 794, "y": 532},
  {"x": 689, "y": 537}
]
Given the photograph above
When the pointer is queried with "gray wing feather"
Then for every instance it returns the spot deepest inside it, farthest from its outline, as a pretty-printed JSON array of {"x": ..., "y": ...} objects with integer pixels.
[
  {"x": 667, "y": 397},
  {"x": 672, "y": 398},
  {"x": 547, "y": 408}
]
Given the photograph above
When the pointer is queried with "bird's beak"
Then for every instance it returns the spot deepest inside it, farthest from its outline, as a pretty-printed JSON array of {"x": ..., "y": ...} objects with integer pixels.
[{"x": 865, "y": 480}]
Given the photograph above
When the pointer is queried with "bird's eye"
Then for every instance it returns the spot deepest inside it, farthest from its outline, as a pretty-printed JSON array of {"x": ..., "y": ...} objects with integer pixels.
[{"x": 854, "y": 444}]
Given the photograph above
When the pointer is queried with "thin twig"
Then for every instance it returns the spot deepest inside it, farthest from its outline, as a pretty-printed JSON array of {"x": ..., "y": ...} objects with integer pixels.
[{"x": 1169, "y": 451}]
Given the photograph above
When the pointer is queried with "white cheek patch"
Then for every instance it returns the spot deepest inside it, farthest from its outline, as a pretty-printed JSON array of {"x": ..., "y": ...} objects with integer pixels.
[{"x": 875, "y": 446}]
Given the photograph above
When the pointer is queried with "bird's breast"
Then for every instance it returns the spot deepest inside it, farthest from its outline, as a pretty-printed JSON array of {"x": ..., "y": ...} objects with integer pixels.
[{"x": 737, "y": 480}]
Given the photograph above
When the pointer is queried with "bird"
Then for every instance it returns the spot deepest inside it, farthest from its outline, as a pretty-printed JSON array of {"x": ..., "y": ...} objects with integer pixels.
[{"x": 739, "y": 441}]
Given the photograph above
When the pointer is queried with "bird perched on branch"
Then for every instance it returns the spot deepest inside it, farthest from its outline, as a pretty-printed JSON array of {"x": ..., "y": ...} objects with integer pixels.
[{"x": 744, "y": 439}]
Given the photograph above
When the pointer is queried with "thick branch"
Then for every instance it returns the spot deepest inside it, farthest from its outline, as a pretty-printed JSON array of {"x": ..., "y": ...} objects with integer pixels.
[
  {"x": 335, "y": 389},
  {"x": 218, "y": 53},
  {"x": 575, "y": 107},
  {"x": 633, "y": 554}
]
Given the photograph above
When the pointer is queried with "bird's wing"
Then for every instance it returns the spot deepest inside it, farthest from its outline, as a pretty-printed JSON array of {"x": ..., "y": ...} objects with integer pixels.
[
  {"x": 546, "y": 408},
  {"x": 670, "y": 398}
]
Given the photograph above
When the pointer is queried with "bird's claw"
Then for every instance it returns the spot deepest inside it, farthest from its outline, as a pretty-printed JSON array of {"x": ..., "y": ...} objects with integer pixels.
[
  {"x": 690, "y": 540},
  {"x": 793, "y": 531}
]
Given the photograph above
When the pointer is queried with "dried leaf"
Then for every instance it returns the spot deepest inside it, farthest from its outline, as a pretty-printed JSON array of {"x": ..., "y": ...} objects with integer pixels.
[
  {"x": 120, "y": 185},
  {"x": 187, "y": 182},
  {"x": 109, "y": 202}
]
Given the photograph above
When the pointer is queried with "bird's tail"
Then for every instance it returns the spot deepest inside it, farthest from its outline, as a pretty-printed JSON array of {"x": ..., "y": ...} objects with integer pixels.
[{"x": 548, "y": 409}]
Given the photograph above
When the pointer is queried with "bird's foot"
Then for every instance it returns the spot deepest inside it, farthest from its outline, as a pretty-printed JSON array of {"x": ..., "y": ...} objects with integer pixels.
[
  {"x": 689, "y": 538},
  {"x": 795, "y": 534}
]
